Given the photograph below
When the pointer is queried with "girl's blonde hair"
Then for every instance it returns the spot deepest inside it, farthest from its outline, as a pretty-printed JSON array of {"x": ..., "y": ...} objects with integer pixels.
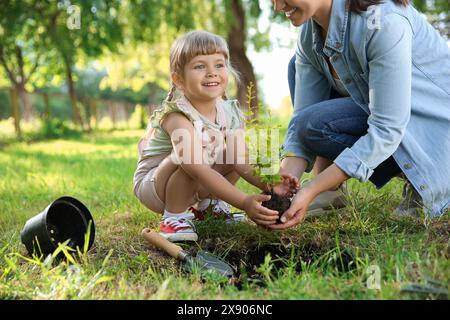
[
  {"x": 196, "y": 43},
  {"x": 187, "y": 47}
]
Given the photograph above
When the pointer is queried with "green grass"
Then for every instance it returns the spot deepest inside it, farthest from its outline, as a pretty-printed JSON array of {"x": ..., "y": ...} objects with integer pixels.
[{"x": 324, "y": 258}]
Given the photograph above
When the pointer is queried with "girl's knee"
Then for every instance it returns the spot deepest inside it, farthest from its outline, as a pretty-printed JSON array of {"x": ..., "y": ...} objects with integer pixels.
[
  {"x": 181, "y": 173},
  {"x": 224, "y": 169}
]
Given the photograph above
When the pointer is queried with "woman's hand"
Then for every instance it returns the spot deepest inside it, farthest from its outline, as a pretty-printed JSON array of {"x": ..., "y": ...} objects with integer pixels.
[
  {"x": 297, "y": 211},
  {"x": 259, "y": 214},
  {"x": 288, "y": 186},
  {"x": 328, "y": 179}
]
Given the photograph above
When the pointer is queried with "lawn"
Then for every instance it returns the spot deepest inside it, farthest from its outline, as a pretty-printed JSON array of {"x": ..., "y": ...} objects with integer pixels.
[{"x": 332, "y": 257}]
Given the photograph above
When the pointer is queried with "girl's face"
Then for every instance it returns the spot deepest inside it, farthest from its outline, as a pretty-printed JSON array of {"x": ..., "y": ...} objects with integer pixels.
[
  {"x": 298, "y": 11},
  {"x": 205, "y": 78}
]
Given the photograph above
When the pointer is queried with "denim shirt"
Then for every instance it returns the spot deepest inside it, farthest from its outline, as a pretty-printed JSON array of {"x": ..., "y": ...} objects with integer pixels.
[{"x": 396, "y": 67}]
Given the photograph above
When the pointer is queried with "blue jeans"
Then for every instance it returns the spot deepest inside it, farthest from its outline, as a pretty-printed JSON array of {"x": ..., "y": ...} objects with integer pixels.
[{"x": 328, "y": 127}]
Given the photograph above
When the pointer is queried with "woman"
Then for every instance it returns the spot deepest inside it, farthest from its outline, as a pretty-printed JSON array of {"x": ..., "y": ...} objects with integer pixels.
[{"x": 392, "y": 71}]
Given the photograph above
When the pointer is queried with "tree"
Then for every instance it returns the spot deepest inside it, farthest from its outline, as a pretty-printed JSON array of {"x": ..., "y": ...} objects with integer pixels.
[
  {"x": 138, "y": 66},
  {"x": 78, "y": 30},
  {"x": 22, "y": 49},
  {"x": 237, "y": 41},
  {"x": 438, "y": 13},
  {"x": 156, "y": 21}
]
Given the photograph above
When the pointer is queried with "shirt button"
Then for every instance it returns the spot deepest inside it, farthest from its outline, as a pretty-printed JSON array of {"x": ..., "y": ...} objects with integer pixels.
[
  {"x": 407, "y": 166},
  {"x": 423, "y": 187},
  {"x": 338, "y": 45},
  {"x": 348, "y": 80}
]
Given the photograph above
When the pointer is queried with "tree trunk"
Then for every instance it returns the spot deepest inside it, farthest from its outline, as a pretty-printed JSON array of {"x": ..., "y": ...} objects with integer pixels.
[
  {"x": 76, "y": 116},
  {"x": 236, "y": 42},
  {"x": 87, "y": 112},
  {"x": 95, "y": 112},
  {"x": 28, "y": 113},
  {"x": 113, "y": 108},
  {"x": 46, "y": 107},
  {"x": 15, "y": 111},
  {"x": 129, "y": 108}
]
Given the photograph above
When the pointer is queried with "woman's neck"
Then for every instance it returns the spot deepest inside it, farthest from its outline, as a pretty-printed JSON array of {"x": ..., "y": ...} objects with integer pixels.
[{"x": 322, "y": 17}]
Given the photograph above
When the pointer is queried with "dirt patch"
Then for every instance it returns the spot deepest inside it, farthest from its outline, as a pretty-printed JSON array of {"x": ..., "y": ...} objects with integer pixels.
[
  {"x": 246, "y": 263},
  {"x": 247, "y": 260}
]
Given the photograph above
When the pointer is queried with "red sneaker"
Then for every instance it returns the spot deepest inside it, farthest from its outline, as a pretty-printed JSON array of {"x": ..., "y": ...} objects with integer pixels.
[{"x": 178, "y": 229}]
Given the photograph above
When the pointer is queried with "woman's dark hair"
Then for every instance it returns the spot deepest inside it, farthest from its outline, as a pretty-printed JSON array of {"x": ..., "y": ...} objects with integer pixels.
[{"x": 362, "y": 5}]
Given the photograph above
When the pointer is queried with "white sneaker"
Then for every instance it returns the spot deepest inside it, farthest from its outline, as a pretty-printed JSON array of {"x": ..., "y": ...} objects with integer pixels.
[
  {"x": 178, "y": 229},
  {"x": 412, "y": 203},
  {"x": 219, "y": 209},
  {"x": 328, "y": 200},
  {"x": 223, "y": 209}
]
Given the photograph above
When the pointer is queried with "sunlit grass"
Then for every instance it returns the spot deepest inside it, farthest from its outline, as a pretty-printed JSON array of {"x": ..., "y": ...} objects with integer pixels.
[{"x": 98, "y": 170}]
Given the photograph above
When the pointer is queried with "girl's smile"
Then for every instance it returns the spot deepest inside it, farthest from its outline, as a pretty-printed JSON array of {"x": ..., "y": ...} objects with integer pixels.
[
  {"x": 210, "y": 84},
  {"x": 204, "y": 79}
]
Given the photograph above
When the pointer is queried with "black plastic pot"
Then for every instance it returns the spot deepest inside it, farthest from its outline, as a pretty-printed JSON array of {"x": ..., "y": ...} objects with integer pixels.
[{"x": 65, "y": 218}]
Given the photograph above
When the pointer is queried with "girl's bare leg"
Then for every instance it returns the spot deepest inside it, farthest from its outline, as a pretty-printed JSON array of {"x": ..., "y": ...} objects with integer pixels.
[
  {"x": 174, "y": 187},
  {"x": 178, "y": 190},
  {"x": 225, "y": 170}
]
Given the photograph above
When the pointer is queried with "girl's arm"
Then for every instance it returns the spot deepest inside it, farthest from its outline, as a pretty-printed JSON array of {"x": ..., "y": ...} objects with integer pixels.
[
  {"x": 288, "y": 186},
  {"x": 188, "y": 149},
  {"x": 240, "y": 155},
  {"x": 246, "y": 172}
]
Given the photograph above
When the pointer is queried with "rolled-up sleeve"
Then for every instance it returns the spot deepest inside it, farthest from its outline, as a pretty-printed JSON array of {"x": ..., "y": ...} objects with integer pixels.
[
  {"x": 389, "y": 56},
  {"x": 311, "y": 87}
]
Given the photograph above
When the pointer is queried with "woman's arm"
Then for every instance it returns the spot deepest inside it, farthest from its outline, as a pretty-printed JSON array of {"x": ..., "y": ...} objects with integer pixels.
[
  {"x": 326, "y": 180},
  {"x": 389, "y": 58},
  {"x": 295, "y": 166},
  {"x": 390, "y": 73}
]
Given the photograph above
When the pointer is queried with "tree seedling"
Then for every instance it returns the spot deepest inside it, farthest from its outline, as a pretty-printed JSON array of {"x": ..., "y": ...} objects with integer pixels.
[{"x": 263, "y": 149}]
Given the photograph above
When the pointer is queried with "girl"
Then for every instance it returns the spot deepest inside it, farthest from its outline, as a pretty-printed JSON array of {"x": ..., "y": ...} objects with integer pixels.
[
  {"x": 182, "y": 163},
  {"x": 392, "y": 72}
]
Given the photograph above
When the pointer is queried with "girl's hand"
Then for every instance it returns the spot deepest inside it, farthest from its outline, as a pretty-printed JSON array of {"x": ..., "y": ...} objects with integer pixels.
[
  {"x": 296, "y": 212},
  {"x": 259, "y": 214},
  {"x": 288, "y": 186}
]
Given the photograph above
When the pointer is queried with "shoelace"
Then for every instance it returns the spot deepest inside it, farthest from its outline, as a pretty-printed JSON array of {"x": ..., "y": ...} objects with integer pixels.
[{"x": 178, "y": 223}]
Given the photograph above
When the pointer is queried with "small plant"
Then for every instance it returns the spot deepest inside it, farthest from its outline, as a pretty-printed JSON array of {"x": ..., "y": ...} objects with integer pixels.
[
  {"x": 263, "y": 149},
  {"x": 57, "y": 128}
]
